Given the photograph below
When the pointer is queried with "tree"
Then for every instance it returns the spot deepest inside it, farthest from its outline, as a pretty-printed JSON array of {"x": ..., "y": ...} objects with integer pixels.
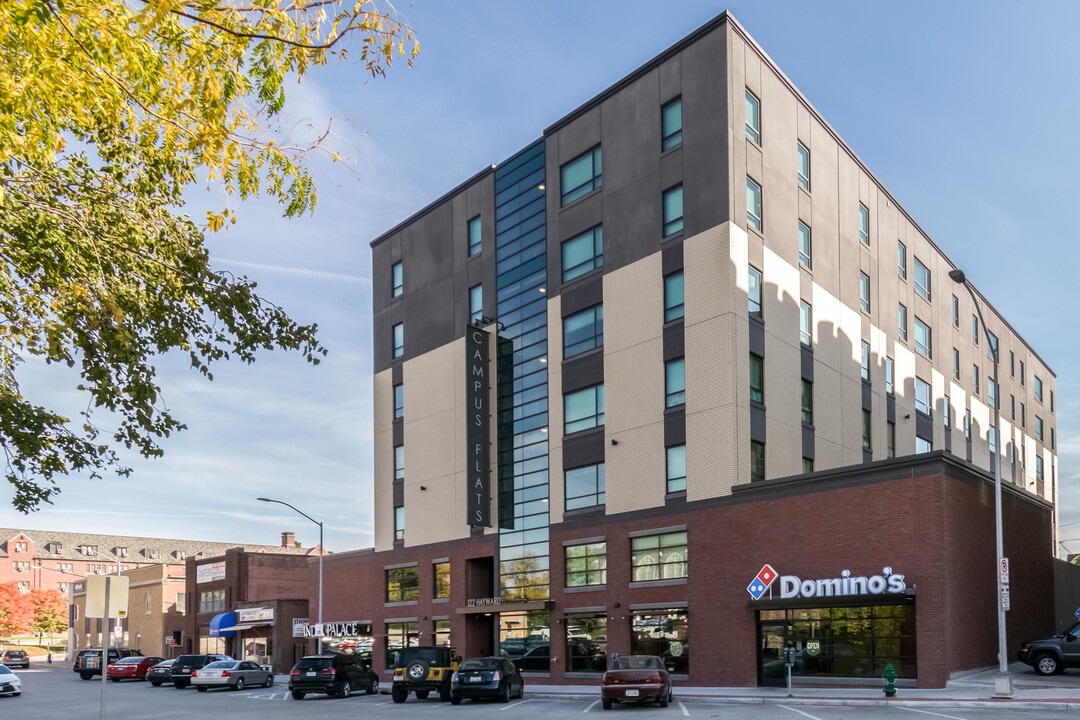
[
  {"x": 15, "y": 610},
  {"x": 109, "y": 111},
  {"x": 49, "y": 612}
]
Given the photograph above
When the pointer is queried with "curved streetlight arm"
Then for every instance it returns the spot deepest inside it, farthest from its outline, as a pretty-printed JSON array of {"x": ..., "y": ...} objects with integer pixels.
[{"x": 301, "y": 512}]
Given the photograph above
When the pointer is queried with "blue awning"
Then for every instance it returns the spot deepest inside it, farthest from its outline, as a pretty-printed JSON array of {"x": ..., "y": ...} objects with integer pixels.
[{"x": 219, "y": 624}]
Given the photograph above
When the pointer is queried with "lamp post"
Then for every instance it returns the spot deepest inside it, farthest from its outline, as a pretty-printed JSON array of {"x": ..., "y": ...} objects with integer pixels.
[
  {"x": 1003, "y": 686},
  {"x": 299, "y": 512}
]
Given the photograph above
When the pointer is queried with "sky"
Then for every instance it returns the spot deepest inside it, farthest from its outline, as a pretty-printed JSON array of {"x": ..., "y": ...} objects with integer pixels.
[{"x": 965, "y": 110}]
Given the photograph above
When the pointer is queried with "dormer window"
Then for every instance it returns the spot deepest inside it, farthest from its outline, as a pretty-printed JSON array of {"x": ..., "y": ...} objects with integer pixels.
[
  {"x": 89, "y": 549},
  {"x": 153, "y": 553},
  {"x": 181, "y": 554},
  {"x": 120, "y": 552},
  {"x": 57, "y": 548}
]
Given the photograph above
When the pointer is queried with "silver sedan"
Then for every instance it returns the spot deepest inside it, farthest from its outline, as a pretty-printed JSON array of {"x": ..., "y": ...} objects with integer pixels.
[{"x": 235, "y": 674}]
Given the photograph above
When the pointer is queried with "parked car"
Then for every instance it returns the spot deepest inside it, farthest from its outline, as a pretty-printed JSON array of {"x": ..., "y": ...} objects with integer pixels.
[
  {"x": 422, "y": 670},
  {"x": 1052, "y": 655},
  {"x": 15, "y": 658},
  {"x": 185, "y": 665},
  {"x": 636, "y": 678},
  {"x": 131, "y": 668},
  {"x": 235, "y": 674},
  {"x": 159, "y": 674},
  {"x": 88, "y": 662},
  {"x": 486, "y": 677},
  {"x": 336, "y": 674},
  {"x": 10, "y": 684}
]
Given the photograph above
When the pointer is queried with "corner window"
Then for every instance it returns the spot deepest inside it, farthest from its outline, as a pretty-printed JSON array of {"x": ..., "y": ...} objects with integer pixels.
[
  {"x": 923, "y": 338},
  {"x": 659, "y": 557},
  {"x": 583, "y": 253},
  {"x": 397, "y": 281},
  {"x": 864, "y": 225},
  {"x": 757, "y": 378},
  {"x": 403, "y": 584},
  {"x": 864, "y": 292},
  {"x": 923, "y": 402},
  {"x": 753, "y": 292},
  {"x": 671, "y": 124},
  {"x": 475, "y": 242},
  {"x": 398, "y": 335},
  {"x": 805, "y": 246},
  {"x": 586, "y": 564},
  {"x": 399, "y": 523},
  {"x": 867, "y": 431},
  {"x": 806, "y": 323},
  {"x": 399, "y": 401},
  {"x": 890, "y": 369},
  {"x": 901, "y": 260},
  {"x": 865, "y": 361},
  {"x": 757, "y": 461},
  {"x": 753, "y": 204},
  {"x": 901, "y": 321},
  {"x": 807, "y": 402},
  {"x": 585, "y": 487},
  {"x": 581, "y": 176},
  {"x": 399, "y": 462},
  {"x": 676, "y": 469},
  {"x": 673, "y": 210},
  {"x": 803, "y": 172},
  {"x": 476, "y": 303},
  {"x": 583, "y": 331},
  {"x": 922, "y": 280},
  {"x": 675, "y": 382},
  {"x": 674, "y": 307},
  {"x": 441, "y": 579},
  {"x": 583, "y": 409},
  {"x": 753, "y": 117}
]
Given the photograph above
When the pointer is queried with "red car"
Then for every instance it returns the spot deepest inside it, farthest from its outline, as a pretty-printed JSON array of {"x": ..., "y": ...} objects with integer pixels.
[
  {"x": 636, "y": 678},
  {"x": 131, "y": 668}
]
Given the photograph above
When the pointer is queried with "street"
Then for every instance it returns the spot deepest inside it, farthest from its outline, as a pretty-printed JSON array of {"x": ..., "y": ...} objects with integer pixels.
[{"x": 54, "y": 691}]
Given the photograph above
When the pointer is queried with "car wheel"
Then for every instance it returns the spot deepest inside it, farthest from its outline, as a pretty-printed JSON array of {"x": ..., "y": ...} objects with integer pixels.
[
  {"x": 606, "y": 703},
  {"x": 201, "y": 688},
  {"x": 269, "y": 681},
  {"x": 373, "y": 687},
  {"x": 180, "y": 685},
  {"x": 421, "y": 694},
  {"x": 455, "y": 700},
  {"x": 239, "y": 684},
  {"x": 115, "y": 679},
  {"x": 297, "y": 695},
  {"x": 85, "y": 676},
  {"x": 1046, "y": 664},
  {"x": 399, "y": 695},
  {"x": 504, "y": 693},
  {"x": 344, "y": 690},
  {"x": 664, "y": 701},
  {"x": 155, "y": 684}
]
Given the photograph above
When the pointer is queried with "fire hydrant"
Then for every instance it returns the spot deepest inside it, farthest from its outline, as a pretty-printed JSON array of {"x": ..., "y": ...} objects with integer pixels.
[{"x": 889, "y": 678}]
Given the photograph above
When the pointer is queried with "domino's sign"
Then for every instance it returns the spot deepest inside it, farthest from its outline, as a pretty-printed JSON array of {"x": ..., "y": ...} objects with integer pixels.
[{"x": 847, "y": 585}]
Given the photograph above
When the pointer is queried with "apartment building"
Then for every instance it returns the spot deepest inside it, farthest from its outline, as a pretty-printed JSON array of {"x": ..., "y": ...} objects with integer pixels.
[{"x": 683, "y": 373}]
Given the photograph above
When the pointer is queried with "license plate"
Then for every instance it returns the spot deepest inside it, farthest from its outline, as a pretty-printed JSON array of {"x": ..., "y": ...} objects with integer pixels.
[
  {"x": 474, "y": 679},
  {"x": 631, "y": 693},
  {"x": 311, "y": 673}
]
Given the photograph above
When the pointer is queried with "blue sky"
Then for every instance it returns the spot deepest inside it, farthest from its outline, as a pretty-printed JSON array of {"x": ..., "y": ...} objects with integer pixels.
[{"x": 966, "y": 111}]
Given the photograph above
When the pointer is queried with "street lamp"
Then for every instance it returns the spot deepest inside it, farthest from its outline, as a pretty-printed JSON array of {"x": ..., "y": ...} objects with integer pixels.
[
  {"x": 299, "y": 512},
  {"x": 1003, "y": 686}
]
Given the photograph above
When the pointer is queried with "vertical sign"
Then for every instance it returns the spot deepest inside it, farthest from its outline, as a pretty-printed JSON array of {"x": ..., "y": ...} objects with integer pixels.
[{"x": 477, "y": 428}]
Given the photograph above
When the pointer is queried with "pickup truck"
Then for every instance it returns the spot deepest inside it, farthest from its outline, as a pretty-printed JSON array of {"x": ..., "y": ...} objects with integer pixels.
[{"x": 1053, "y": 654}]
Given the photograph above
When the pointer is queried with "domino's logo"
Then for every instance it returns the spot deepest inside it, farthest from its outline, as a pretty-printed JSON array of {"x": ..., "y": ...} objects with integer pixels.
[{"x": 762, "y": 582}]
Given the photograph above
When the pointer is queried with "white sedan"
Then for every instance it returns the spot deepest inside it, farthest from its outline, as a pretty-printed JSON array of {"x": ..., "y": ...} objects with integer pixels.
[
  {"x": 235, "y": 674},
  {"x": 10, "y": 684}
]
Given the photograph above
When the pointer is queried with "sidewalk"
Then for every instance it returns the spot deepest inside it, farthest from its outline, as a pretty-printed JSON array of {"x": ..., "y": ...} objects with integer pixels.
[{"x": 1058, "y": 692}]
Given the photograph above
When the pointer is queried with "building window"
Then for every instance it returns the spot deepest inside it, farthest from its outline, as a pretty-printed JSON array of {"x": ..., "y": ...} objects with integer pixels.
[
  {"x": 803, "y": 173},
  {"x": 583, "y": 409},
  {"x": 583, "y": 331},
  {"x": 441, "y": 579},
  {"x": 901, "y": 260},
  {"x": 890, "y": 370},
  {"x": 922, "y": 397},
  {"x": 1038, "y": 388},
  {"x": 399, "y": 462},
  {"x": 397, "y": 280},
  {"x": 1022, "y": 376},
  {"x": 757, "y": 461},
  {"x": 671, "y": 124},
  {"x": 583, "y": 253},
  {"x": 901, "y": 321},
  {"x": 1023, "y": 415},
  {"x": 441, "y": 636},
  {"x": 585, "y": 487},
  {"x": 991, "y": 393},
  {"x": 974, "y": 329},
  {"x": 1012, "y": 407},
  {"x": 674, "y": 297},
  {"x": 398, "y": 636},
  {"x": 955, "y": 312},
  {"x": 676, "y": 469},
  {"x": 1012, "y": 364},
  {"x": 991, "y": 344},
  {"x": 148, "y": 604},
  {"x": 753, "y": 117},
  {"x": 476, "y": 303},
  {"x": 1038, "y": 428},
  {"x": 864, "y": 225},
  {"x": 586, "y": 564},
  {"x": 967, "y": 424},
  {"x": 398, "y": 333},
  {"x": 806, "y": 323},
  {"x": 923, "y": 340},
  {"x": 807, "y": 402},
  {"x": 975, "y": 379},
  {"x": 865, "y": 361},
  {"x": 211, "y": 601},
  {"x": 753, "y": 292},
  {"x": 581, "y": 176},
  {"x": 955, "y": 364},
  {"x": 675, "y": 382},
  {"x": 922, "y": 445},
  {"x": 922, "y": 280},
  {"x": 890, "y": 439},
  {"x": 864, "y": 292},
  {"x": 946, "y": 412},
  {"x": 805, "y": 246},
  {"x": 399, "y": 523},
  {"x": 475, "y": 242},
  {"x": 660, "y": 633},
  {"x": 807, "y": 465},
  {"x": 867, "y": 428},
  {"x": 753, "y": 204},
  {"x": 673, "y": 210},
  {"x": 1039, "y": 468},
  {"x": 659, "y": 557},
  {"x": 399, "y": 400},
  {"x": 757, "y": 378}
]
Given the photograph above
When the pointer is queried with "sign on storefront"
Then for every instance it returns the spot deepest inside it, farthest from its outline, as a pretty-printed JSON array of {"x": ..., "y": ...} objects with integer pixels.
[
  {"x": 847, "y": 585},
  {"x": 477, "y": 428}
]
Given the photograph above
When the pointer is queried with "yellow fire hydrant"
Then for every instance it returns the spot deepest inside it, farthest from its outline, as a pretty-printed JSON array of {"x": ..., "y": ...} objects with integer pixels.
[{"x": 889, "y": 678}]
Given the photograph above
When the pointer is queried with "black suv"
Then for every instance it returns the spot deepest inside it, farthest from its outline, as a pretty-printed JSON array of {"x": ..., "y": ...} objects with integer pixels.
[
  {"x": 1053, "y": 654},
  {"x": 88, "y": 662},
  {"x": 331, "y": 673},
  {"x": 180, "y": 672},
  {"x": 421, "y": 670}
]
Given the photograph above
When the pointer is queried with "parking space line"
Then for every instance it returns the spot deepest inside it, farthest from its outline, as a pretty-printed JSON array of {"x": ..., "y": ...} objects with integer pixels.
[
  {"x": 812, "y": 717},
  {"x": 513, "y": 705},
  {"x": 684, "y": 710},
  {"x": 590, "y": 706},
  {"x": 927, "y": 712}
]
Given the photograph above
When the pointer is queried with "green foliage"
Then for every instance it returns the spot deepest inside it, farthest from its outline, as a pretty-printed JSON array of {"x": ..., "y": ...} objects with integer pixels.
[{"x": 109, "y": 110}]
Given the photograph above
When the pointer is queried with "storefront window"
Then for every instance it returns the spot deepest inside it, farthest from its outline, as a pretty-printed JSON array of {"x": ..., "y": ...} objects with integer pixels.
[
  {"x": 399, "y": 635},
  {"x": 586, "y": 643},
  {"x": 525, "y": 638},
  {"x": 664, "y": 633},
  {"x": 441, "y": 638},
  {"x": 349, "y": 637},
  {"x": 211, "y": 644}
]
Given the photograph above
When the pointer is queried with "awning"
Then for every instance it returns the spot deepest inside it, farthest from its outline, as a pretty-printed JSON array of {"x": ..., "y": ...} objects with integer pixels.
[
  {"x": 247, "y": 626},
  {"x": 219, "y": 625}
]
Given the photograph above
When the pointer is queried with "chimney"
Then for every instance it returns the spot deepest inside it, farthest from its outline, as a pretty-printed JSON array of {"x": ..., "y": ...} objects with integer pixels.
[{"x": 288, "y": 539}]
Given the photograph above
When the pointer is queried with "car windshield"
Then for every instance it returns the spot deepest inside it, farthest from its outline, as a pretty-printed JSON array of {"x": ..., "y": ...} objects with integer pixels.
[
  {"x": 428, "y": 655},
  {"x": 308, "y": 663},
  {"x": 636, "y": 662},
  {"x": 4, "y": 670},
  {"x": 481, "y": 664},
  {"x": 217, "y": 664}
]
